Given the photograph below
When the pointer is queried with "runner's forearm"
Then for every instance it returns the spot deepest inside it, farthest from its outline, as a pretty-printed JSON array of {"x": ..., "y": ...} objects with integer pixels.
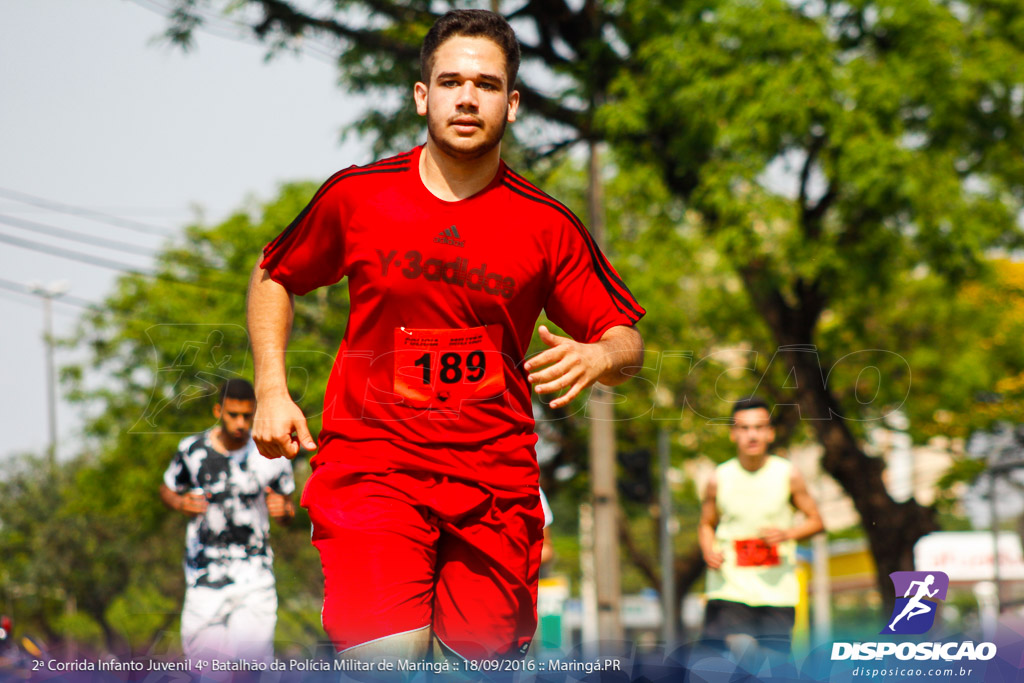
[
  {"x": 806, "y": 529},
  {"x": 623, "y": 349},
  {"x": 169, "y": 498},
  {"x": 269, "y": 312},
  {"x": 706, "y": 537}
]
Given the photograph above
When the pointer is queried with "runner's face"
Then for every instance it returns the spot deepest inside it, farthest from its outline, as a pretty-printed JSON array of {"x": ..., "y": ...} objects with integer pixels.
[
  {"x": 235, "y": 417},
  {"x": 752, "y": 432},
  {"x": 467, "y": 102}
]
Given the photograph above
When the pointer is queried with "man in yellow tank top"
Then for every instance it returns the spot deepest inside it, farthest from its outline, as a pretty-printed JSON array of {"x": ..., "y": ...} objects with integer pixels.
[{"x": 748, "y": 538}]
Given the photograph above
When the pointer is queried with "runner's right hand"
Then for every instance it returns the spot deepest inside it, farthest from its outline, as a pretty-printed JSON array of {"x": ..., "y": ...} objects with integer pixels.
[
  {"x": 714, "y": 559},
  {"x": 279, "y": 428}
]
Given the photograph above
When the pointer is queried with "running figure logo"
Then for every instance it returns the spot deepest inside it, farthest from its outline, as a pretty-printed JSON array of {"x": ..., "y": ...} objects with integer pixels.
[{"x": 921, "y": 592}]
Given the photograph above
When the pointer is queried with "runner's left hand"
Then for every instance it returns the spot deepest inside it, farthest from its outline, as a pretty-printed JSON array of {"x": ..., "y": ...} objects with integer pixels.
[
  {"x": 566, "y": 364},
  {"x": 279, "y": 506}
]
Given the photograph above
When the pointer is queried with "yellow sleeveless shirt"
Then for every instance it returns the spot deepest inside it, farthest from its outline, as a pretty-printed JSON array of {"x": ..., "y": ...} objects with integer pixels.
[{"x": 753, "y": 572}]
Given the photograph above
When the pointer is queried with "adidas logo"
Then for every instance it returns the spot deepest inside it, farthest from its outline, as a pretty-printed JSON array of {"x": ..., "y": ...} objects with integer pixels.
[{"x": 450, "y": 236}]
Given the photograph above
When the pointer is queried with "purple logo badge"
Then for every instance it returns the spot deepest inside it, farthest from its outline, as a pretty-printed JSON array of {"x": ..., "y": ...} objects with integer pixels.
[{"x": 917, "y": 599}]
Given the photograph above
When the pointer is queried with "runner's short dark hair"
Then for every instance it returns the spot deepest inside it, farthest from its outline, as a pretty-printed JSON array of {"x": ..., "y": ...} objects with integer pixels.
[
  {"x": 750, "y": 403},
  {"x": 238, "y": 389},
  {"x": 472, "y": 23}
]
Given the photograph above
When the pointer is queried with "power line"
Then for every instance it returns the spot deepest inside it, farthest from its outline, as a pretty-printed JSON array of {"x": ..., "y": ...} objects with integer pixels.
[
  {"x": 75, "y": 255},
  {"x": 219, "y": 26},
  {"x": 69, "y": 299},
  {"x": 157, "y": 212},
  {"x": 102, "y": 262},
  {"x": 74, "y": 236},
  {"x": 83, "y": 212},
  {"x": 93, "y": 240},
  {"x": 34, "y": 304}
]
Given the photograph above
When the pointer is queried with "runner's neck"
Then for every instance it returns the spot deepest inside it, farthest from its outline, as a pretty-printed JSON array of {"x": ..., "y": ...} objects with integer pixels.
[
  {"x": 451, "y": 179},
  {"x": 222, "y": 444},
  {"x": 752, "y": 463}
]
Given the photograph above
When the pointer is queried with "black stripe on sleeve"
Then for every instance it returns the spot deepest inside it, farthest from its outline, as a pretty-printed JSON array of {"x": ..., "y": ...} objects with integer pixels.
[
  {"x": 397, "y": 164},
  {"x": 630, "y": 307},
  {"x": 551, "y": 201}
]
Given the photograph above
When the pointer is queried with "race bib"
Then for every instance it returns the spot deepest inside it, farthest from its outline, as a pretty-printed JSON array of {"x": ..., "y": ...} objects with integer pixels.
[
  {"x": 441, "y": 368},
  {"x": 755, "y": 552}
]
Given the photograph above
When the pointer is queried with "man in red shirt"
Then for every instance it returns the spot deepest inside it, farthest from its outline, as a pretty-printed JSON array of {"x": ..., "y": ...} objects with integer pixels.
[{"x": 424, "y": 496}]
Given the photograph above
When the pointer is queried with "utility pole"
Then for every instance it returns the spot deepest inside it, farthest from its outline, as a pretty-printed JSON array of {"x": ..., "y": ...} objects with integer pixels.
[
  {"x": 48, "y": 293},
  {"x": 603, "y": 485},
  {"x": 588, "y": 579},
  {"x": 994, "y": 512},
  {"x": 669, "y": 601},
  {"x": 822, "y": 585}
]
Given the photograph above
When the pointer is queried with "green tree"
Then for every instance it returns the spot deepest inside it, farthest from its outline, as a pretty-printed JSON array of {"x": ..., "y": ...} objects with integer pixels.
[
  {"x": 94, "y": 534},
  {"x": 70, "y": 554},
  {"x": 898, "y": 122}
]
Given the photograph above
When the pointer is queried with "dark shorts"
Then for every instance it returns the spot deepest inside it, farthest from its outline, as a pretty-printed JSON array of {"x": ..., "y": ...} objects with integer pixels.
[{"x": 771, "y": 626}]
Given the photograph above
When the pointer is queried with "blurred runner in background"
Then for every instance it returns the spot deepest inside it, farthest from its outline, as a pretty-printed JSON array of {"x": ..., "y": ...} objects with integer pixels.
[
  {"x": 748, "y": 537},
  {"x": 229, "y": 492}
]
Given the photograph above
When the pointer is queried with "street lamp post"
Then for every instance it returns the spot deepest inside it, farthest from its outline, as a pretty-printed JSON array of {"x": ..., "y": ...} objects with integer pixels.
[{"x": 48, "y": 293}]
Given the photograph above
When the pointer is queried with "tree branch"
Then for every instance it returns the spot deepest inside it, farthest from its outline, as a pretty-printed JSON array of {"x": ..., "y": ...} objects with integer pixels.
[
  {"x": 293, "y": 22},
  {"x": 811, "y": 217},
  {"x": 550, "y": 108}
]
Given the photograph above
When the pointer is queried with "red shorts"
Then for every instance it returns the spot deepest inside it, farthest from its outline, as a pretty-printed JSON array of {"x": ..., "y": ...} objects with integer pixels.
[{"x": 406, "y": 550}]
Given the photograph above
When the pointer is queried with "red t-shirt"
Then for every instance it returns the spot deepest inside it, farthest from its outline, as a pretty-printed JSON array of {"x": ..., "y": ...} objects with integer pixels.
[{"x": 444, "y": 298}]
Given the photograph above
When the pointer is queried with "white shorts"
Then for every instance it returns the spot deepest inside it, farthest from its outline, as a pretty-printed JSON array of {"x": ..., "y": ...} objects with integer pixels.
[{"x": 233, "y": 622}]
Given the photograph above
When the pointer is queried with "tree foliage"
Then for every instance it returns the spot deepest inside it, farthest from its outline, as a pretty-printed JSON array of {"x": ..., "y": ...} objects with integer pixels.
[
  {"x": 93, "y": 536},
  {"x": 830, "y": 150}
]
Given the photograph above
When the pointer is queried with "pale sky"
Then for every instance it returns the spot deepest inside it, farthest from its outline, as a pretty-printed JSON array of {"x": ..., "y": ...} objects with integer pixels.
[{"x": 95, "y": 114}]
